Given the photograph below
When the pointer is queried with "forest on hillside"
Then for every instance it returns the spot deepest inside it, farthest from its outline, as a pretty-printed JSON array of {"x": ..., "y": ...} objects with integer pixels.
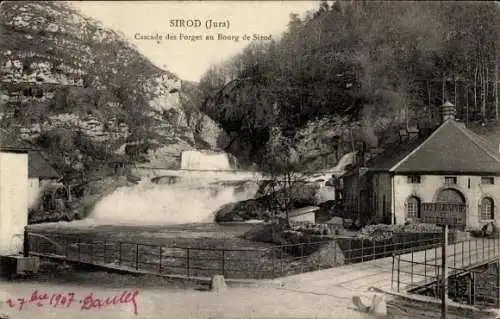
[{"x": 385, "y": 65}]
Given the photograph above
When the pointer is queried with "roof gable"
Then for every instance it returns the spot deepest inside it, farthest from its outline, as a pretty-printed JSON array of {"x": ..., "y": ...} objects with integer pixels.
[
  {"x": 39, "y": 167},
  {"x": 393, "y": 154},
  {"x": 451, "y": 148},
  {"x": 9, "y": 142}
]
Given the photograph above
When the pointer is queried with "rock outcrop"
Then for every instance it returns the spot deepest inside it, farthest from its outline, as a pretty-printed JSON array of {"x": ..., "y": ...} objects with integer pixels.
[
  {"x": 300, "y": 195},
  {"x": 62, "y": 70}
]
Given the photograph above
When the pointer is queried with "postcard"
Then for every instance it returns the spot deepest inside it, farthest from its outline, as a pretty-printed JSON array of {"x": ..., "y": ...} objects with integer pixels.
[{"x": 249, "y": 159}]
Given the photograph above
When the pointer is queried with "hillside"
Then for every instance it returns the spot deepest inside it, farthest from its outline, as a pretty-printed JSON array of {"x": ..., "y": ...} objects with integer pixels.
[
  {"x": 358, "y": 71},
  {"x": 85, "y": 95}
]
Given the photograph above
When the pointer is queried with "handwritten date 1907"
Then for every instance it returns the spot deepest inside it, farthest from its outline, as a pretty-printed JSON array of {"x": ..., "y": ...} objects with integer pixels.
[{"x": 66, "y": 300}]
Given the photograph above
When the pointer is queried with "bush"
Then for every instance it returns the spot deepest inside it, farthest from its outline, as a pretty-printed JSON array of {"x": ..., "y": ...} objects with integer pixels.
[
  {"x": 383, "y": 231},
  {"x": 488, "y": 230}
]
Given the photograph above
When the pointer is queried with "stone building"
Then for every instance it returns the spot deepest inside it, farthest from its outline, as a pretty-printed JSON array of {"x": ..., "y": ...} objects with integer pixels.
[{"x": 451, "y": 171}]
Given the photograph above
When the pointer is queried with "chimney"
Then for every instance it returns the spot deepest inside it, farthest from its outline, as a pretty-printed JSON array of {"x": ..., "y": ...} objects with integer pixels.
[
  {"x": 449, "y": 111},
  {"x": 403, "y": 134},
  {"x": 413, "y": 132}
]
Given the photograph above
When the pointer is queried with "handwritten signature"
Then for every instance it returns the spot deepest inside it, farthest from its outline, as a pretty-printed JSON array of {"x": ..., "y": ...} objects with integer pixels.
[{"x": 66, "y": 300}]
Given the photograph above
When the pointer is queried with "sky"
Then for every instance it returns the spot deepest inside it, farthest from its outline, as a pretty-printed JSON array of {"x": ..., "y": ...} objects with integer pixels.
[{"x": 187, "y": 58}]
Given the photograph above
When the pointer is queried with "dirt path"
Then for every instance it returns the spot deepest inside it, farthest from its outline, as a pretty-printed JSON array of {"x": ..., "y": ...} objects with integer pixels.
[{"x": 159, "y": 303}]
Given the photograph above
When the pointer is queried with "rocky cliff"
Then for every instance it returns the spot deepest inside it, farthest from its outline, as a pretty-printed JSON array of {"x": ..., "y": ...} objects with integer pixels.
[
  {"x": 319, "y": 143},
  {"x": 66, "y": 77}
]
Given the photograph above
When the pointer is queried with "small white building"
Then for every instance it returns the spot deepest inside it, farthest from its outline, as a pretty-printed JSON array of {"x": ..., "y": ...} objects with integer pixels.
[
  {"x": 22, "y": 170},
  {"x": 304, "y": 214},
  {"x": 13, "y": 193}
]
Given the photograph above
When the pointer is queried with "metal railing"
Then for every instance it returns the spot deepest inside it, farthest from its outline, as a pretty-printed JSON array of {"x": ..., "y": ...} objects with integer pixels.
[
  {"x": 421, "y": 271},
  {"x": 256, "y": 263}
]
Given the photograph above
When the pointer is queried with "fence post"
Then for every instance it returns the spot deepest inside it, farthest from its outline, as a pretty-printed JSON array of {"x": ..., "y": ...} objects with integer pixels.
[
  {"x": 444, "y": 269},
  {"x": 273, "y": 261},
  {"x": 470, "y": 255},
  {"x": 335, "y": 252},
  {"x": 67, "y": 248},
  {"x": 425, "y": 263},
  {"x": 187, "y": 261},
  {"x": 136, "y": 256},
  {"x": 281, "y": 261},
  {"x": 494, "y": 247},
  {"x": 223, "y": 263},
  {"x": 462, "y": 254},
  {"x": 301, "y": 257},
  {"x": 477, "y": 252},
  {"x": 161, "y": 257},
  {"x": 26, "y": 243},
  {"x": 374, "y": 249},
  {"x": 392, "y": 272},
  {"x": 120, "y": 254},
  {"x": 91, "y": 244},
  {"x": 411, "y": 271},
  {"x": 399, "y": 268},
  {"x": 497, "y": 292},
  {"x": 488, "y": 248},
  {"x": 454, "y": 255},
  {"x": 79, "y": 248},
  {"x": 436, "y": 268},
  {"x": 483, "y": 246},
  {"x": 349, "y": 250},
  {"x": 105, "y": 248},
  {"x": 319, "y": 260},
  {"x": 362, "y": 249}
]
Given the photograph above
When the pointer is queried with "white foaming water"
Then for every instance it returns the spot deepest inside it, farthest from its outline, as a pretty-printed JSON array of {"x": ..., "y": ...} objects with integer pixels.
[{"x": 188, "y": 201}]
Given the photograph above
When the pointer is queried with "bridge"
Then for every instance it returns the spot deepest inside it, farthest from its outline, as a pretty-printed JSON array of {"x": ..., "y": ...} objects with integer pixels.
[
  {"x": 400, "y": 270},
  {"x": 416, "y": 270},
  {"x": 407, "y": 272}
]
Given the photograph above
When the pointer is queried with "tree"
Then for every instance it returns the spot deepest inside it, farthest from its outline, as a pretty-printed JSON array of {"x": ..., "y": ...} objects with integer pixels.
[
  {"x": 281, "y": 167},
  {"x": 396, "y": 60}
]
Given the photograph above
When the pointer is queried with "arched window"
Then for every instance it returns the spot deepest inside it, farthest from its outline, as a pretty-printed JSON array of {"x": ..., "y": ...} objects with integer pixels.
[
  {"x": 487, "y": 208},
  {"x": 413, "y": 207},
  {"x": 450, "y": 195}
]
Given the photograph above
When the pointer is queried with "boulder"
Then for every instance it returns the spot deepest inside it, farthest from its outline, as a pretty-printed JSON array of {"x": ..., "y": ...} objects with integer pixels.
[
  {"x": 166, "y": 180},
  {"x": 336, "y": 221},
  {"x": 375, "y": 304},
  {"x": 489, "y": 229},
  {"x": 225, "y": 213},
  {"x": 326, "y": 256},
  {"x": 243, "y": 210},
  {"x": 265, "y": 233},
  {"x": 218, "y": 283}
]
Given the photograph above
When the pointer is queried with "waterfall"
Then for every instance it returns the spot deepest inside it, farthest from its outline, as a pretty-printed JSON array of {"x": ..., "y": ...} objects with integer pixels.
[{"x": 193, "y": 199}]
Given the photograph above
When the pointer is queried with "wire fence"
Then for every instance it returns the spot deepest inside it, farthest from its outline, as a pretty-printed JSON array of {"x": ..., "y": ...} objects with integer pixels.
[
  {"x": 250, "y": 263},
  {"x": 472, "y": 269}
]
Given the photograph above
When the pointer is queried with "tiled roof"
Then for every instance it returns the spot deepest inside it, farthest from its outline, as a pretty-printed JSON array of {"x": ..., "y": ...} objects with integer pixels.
[
  {"x": 303, "y": 211},
  {"x": 394, "y": 153},
  {"x": 450, "y": 148},
  {"x": 39, "y": 167},
  {"x": 10, "y": 142}
]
